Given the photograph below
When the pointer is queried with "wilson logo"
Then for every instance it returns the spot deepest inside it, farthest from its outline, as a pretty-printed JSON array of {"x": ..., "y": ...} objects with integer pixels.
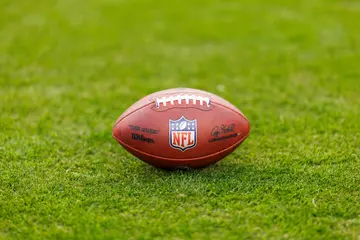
[{"x": 182, "y": 133}]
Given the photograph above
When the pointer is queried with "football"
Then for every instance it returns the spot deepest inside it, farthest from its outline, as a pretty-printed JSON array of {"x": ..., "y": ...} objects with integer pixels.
[{"x": 181, "y": 128}]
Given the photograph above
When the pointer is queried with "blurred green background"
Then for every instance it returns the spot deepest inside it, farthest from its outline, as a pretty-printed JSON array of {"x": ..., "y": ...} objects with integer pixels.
[{"x": 69, "y": 68}]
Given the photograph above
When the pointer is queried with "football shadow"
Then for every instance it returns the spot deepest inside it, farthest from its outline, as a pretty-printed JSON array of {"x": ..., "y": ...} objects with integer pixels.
[{"x": 233, "y": 173}]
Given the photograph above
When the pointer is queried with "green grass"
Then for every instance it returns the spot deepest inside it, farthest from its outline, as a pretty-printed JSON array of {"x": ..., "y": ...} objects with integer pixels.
[{"x": 68, "y": 69}]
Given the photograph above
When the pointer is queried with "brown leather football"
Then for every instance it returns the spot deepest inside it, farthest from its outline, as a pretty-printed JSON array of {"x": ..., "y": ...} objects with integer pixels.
[{"x": 181, "y": 128}]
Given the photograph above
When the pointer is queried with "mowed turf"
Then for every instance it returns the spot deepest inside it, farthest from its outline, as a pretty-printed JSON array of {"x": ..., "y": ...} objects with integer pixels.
[{"x": 68, "y": 69}]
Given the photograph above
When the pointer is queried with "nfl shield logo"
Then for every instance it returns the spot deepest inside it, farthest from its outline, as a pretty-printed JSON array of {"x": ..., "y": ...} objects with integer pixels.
[{"x": 182, "y": 133}]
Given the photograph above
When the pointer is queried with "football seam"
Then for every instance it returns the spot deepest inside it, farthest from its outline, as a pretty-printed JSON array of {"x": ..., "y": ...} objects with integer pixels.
[
  {"x": 194, "y": 91},
  {"x": 137, "y": 109},
  {"x": 234, "y": 110},
  {"x": 183, "y": 159}
]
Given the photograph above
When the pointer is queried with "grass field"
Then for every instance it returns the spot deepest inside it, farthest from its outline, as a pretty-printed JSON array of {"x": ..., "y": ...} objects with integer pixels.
[{"x": 69, "y": 68}]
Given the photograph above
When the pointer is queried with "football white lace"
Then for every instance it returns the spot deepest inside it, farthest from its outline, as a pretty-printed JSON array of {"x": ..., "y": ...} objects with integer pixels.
[{"x": 181, "y": 98}]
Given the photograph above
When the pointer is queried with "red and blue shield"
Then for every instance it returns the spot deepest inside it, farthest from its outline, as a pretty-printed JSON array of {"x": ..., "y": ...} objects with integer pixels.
[{"x": 182, "y": 133}]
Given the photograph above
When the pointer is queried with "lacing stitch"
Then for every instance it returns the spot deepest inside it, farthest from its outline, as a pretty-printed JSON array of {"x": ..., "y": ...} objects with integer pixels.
[{"x": 180, "y": 98}]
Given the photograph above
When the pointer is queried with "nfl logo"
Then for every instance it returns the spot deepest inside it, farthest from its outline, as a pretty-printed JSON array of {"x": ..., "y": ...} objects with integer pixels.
[{"x": 182, "y": 133}]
